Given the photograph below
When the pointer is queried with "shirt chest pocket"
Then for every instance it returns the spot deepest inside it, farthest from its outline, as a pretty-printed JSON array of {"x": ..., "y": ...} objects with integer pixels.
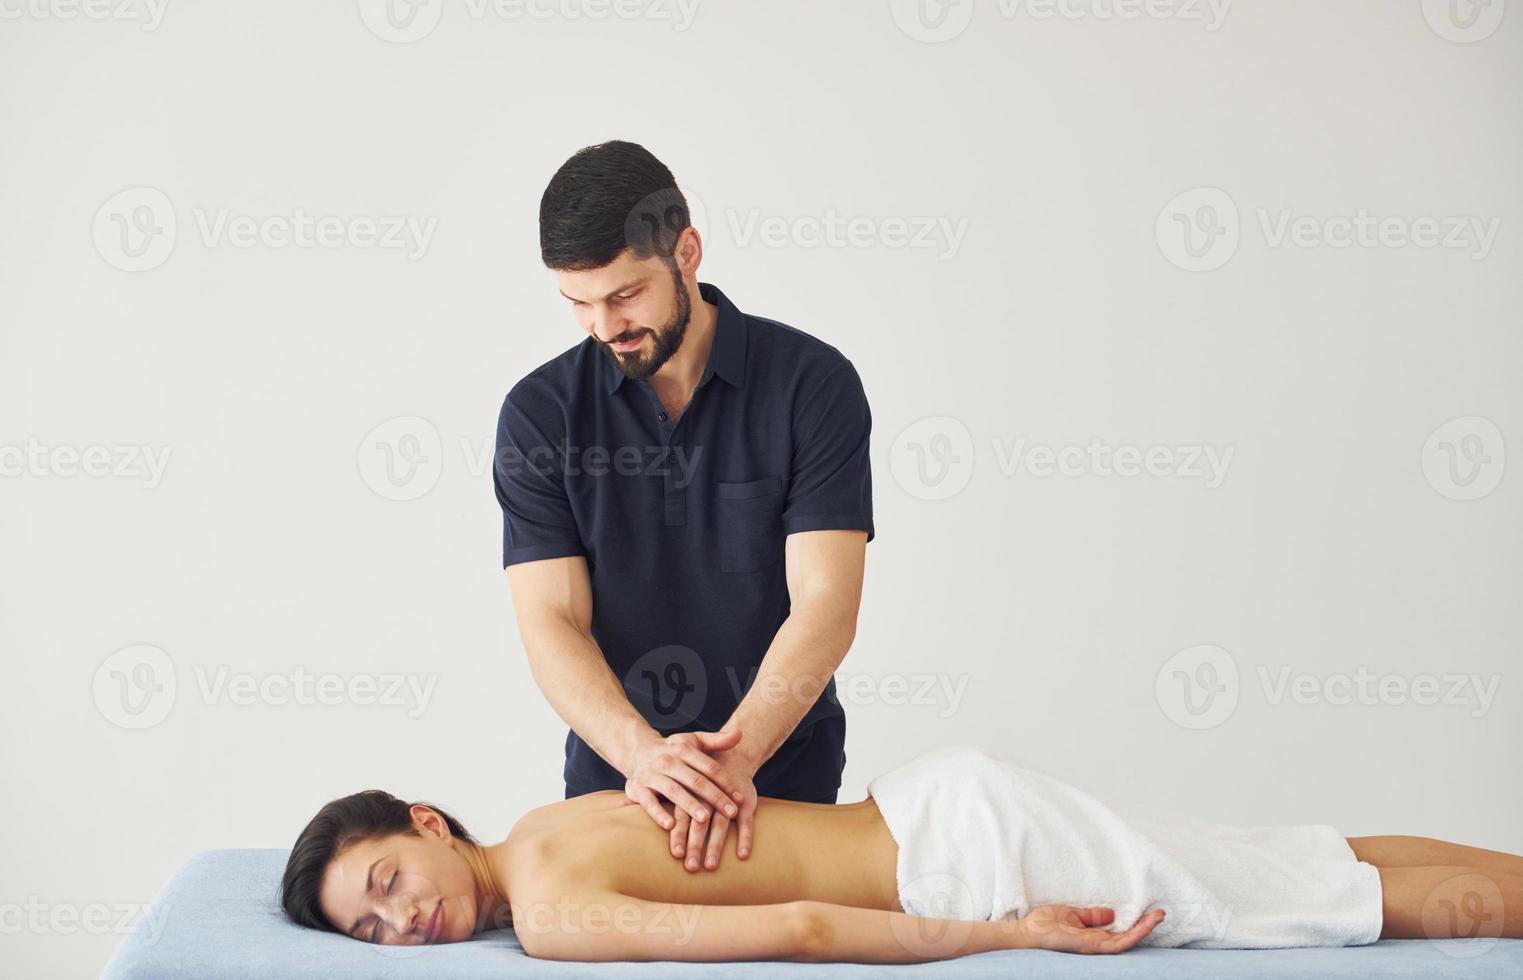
[{"x": 750, "y": 523}]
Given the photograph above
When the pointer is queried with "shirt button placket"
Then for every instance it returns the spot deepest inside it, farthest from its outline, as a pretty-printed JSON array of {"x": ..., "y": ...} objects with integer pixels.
[{"x": 674, "y": 499}]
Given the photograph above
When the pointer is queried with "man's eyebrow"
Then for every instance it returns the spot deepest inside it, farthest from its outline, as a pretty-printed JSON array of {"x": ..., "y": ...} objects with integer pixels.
[
  {"x": 369, "y": 876},
  {"x": 628, "y": 285}
]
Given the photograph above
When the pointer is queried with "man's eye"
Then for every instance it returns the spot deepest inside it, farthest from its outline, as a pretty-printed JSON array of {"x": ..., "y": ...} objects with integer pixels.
[
  {"x": 626, "y": 298},
  {"x": 390, "y": 881}
]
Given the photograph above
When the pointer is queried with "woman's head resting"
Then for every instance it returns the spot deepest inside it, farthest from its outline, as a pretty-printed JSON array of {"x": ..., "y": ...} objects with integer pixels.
[{"x": 386, "y": 871}]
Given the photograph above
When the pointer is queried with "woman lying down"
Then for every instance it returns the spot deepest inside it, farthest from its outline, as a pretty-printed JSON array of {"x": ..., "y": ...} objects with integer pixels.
[{"x": 955, "y": 852}]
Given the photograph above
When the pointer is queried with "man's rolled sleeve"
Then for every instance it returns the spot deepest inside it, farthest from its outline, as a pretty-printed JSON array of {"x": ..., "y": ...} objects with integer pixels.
[
  {"x": 528, "y": 474},
  {"x": 831, "y": 485}
]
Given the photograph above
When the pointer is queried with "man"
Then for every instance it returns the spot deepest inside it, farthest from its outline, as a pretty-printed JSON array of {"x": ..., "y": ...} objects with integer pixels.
[{"x": 687, "y": 500}]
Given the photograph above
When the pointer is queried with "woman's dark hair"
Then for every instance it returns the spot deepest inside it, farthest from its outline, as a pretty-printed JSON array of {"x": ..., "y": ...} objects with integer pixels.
[
  {"x": 607, "y": 198},
  {"x": 338, "y": 825}
]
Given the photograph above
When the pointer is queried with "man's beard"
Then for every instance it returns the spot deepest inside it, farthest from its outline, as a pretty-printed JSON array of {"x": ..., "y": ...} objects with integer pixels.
[{"x": 664, "y": 344}]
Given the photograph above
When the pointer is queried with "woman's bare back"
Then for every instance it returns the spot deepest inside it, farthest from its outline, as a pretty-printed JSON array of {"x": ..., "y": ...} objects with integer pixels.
[{"x": 839, "y": 853}]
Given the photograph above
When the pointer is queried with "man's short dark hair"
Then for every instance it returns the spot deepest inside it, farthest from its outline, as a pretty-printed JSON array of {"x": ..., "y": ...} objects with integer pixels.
[{"x": 607, "y": 198}]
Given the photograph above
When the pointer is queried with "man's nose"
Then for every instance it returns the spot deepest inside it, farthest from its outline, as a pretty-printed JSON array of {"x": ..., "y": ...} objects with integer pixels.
[{"x": 608, "y": 328}]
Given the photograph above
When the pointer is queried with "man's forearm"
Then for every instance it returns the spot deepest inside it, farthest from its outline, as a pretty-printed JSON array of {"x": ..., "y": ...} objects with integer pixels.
[
  {"x": 575, "y": 678},
  {"x": 803, "y": 657}
]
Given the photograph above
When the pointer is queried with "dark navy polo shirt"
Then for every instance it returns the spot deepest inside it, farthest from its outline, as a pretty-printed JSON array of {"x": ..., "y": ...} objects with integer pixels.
[{"x": 682, "y": 523}]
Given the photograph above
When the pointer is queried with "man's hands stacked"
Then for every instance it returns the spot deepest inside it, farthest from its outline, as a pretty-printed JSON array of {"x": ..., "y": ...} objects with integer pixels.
[{"x": 709, "y": 783}]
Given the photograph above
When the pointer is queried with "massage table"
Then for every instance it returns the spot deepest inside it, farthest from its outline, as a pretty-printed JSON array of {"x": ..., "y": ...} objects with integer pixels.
[{"x": 218, "y": 918}]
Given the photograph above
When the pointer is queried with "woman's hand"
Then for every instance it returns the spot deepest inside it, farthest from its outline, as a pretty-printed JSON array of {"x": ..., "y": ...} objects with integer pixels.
[{"x": 1068, "y": 929}]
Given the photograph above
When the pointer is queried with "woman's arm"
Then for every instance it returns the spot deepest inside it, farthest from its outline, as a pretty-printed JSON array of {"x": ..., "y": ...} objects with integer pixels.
[
  {"x": 842, "y": 933},
  {"x": 600, "y": 925},
  {"x": 589, "y": 925}
]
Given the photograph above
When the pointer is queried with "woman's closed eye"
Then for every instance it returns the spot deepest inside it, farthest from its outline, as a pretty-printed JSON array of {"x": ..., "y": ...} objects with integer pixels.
[{"x": 375, "y": 930}]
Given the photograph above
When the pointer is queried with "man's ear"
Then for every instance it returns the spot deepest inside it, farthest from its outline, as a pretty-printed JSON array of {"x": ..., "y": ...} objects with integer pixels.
[{"x": 688, "y": 253}]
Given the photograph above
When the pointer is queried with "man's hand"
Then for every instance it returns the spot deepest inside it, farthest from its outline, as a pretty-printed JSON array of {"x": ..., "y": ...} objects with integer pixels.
[
  {"x": 681, "y": 768},
  {"x": 703, "y": 843},
  {"x": 1081, "y": 930}
]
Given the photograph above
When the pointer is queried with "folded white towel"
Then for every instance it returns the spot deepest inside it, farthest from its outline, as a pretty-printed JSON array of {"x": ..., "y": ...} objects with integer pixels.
[{"x": 980, "y": 838}]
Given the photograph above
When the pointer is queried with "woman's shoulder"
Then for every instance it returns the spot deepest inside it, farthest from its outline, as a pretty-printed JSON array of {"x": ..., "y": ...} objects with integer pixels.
[
  {"x": 562, "y": 846},
  {"x": 556, "y": 816}
]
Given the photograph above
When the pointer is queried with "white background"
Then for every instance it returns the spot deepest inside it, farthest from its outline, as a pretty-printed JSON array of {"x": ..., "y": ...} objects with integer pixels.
[{"x": 1334, "y": 542}]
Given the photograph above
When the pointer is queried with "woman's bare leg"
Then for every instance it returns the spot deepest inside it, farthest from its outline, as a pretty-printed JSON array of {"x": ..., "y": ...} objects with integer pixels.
[
  {"x": 1451, "y": 902},
  {"x": 1401, "y": 851}
]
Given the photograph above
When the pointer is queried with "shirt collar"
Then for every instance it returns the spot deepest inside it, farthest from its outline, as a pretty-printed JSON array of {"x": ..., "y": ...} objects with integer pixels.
[{"x": 727, "y": 356}]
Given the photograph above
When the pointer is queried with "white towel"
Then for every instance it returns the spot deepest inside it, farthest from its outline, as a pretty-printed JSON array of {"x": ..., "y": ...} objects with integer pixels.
[{"x": 982, "y": 839}]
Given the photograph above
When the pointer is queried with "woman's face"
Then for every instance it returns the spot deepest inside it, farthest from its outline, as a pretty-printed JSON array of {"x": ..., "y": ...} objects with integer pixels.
[{"x": 403, "y": 890}]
